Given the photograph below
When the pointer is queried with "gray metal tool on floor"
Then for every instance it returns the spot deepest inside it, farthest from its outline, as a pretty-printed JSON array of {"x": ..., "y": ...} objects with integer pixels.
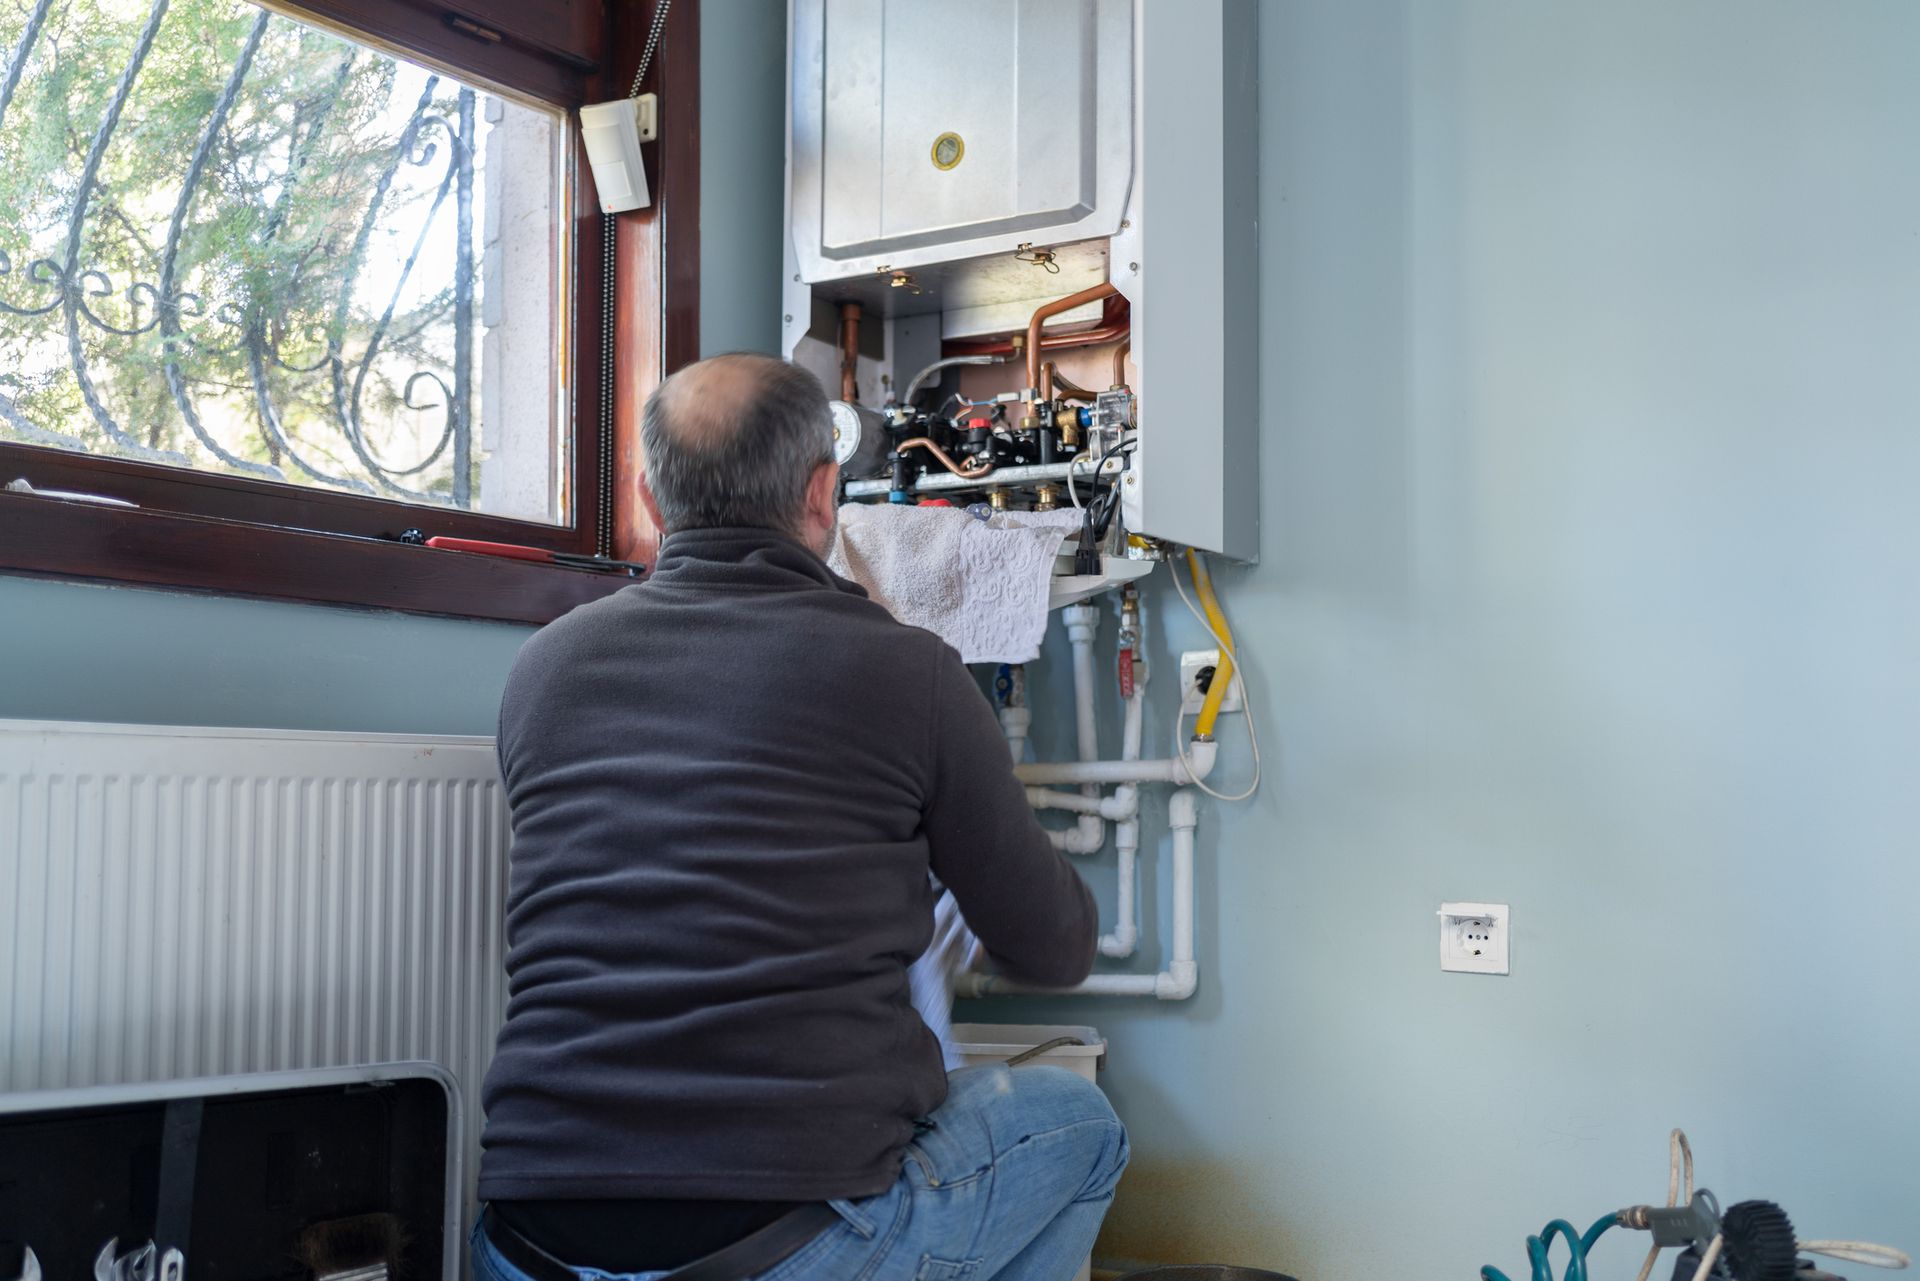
[{"x": 137, "y": 1265}]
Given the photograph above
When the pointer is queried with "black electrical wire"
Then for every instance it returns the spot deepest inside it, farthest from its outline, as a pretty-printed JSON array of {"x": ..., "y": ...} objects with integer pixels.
[
  {"x": 1122, "y": 443},
  {"x": 1101, "y": 509},
  {"x": 1098, "y": 517}
]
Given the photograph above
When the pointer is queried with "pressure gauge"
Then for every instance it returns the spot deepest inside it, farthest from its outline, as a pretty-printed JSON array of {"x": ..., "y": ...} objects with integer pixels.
[
  {"x": 846, "y": 431},
  {"x": 859, "y": 438}
]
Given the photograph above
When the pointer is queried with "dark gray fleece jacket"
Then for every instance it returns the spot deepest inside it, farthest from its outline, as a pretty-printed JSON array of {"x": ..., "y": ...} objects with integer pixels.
[{"x": 729, "y": 784}]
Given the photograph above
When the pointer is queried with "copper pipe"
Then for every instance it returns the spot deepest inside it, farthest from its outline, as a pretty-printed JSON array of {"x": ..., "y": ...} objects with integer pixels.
[
  {"x": 1120, "y": 361},
  {"x": 1114, "y": 323},
  {"x": 946, "y": 459},
  {"x": 849, "y": 351},
  {"x": 1054, "y": 308},
  {"x": 1051, "y": 378}
]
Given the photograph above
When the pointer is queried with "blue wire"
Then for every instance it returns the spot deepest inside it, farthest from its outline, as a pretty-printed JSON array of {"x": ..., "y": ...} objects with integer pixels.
[{"x": 1538, "y": 1248}]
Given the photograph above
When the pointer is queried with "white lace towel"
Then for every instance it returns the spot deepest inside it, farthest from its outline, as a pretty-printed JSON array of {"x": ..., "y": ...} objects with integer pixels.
[{"x": 981, "y": 586}]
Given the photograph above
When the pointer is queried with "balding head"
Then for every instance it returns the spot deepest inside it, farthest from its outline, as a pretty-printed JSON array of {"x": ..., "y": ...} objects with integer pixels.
[{"x": 735, "y": 441}]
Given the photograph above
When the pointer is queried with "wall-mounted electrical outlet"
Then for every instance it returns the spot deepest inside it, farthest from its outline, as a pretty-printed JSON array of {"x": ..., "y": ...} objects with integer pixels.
[
  {"x": 1473, "y": 938},
  {"x": 1197, "y": 668}
]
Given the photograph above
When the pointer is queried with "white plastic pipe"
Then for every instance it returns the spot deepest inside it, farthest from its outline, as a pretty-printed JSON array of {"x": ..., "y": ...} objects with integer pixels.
[
  {"x": 1175, "y": 983},
  {"x": 1015, "y": 722},
  {"x": 1123, "y": 807},
  {"x": 1123, "y": 804},
  {"x": 1089, "y": 835},
  {"x": 1083, "y": 624},
  {"x": 1183, "y": 817},
  {"x": 1096, "y": 985},
  {"x": 1136, "y": 711},
  {"x": 1055, "y": 773},
  {"x": 1125, "y": 938}
]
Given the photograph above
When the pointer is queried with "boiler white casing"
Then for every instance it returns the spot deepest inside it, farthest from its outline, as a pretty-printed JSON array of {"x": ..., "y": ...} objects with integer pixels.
[{"x": 1119, "y": 134}]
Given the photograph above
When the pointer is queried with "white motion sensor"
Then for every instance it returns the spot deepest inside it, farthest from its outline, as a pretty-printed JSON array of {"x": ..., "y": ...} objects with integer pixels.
[{"x": 613, "y": 132}]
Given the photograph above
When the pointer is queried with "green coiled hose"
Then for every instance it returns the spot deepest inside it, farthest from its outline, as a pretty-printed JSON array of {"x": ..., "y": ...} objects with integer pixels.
[{"x": 1537, "y": 1251}]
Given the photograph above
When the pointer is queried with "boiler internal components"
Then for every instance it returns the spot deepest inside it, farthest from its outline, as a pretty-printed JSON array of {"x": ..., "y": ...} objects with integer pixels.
[{"x": 1015, "y": 280}]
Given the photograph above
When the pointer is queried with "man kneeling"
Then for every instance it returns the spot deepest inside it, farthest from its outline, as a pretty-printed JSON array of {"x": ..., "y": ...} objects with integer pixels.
[{"x": 732, "y": 786}]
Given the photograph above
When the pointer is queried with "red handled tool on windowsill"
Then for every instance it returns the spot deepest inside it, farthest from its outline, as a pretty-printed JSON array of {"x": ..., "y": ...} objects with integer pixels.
[{"x": 518, "y": 551}]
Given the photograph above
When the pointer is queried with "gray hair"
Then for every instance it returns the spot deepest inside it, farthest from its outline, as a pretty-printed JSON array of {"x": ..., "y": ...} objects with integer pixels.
[{"x": 732, "y": 441}]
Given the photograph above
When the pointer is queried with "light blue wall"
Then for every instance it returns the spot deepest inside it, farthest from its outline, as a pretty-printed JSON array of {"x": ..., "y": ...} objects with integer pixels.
[
  {"x": 79, "y": 652},
  {"x": 743, "y": 68},
  {"x": 1590, "y": 583}
]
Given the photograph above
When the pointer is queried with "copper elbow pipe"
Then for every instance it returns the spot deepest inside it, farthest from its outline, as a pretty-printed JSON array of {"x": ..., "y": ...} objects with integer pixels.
[
  {"x": 1054, "y": 308},
  {"x": 1052, "y": 380},
  {"x": 1114, "y": 323},
  {"x": 1120, "y": 362},
  {"x": 849, "y": 351},
  {"x": 969, "y": 472}
]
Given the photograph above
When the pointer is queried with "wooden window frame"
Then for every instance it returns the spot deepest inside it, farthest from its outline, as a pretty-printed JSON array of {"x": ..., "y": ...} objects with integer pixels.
[{"x": 202, "y": 531}]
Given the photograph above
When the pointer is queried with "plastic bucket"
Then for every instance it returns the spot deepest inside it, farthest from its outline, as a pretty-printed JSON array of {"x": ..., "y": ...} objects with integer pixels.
[{"x": 979, "y": 1043}]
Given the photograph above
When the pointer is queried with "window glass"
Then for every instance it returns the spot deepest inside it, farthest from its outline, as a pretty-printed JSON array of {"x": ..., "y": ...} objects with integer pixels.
[{"x": 241, "y": 243}]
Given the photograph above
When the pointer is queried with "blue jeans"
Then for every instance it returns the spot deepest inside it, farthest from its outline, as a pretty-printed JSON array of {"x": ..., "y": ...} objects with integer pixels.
[{"x": 1009, "y": 1183}]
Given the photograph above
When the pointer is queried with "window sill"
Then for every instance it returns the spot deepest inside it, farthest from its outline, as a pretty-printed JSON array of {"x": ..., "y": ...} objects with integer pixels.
[{"x": 57, "y": 538}]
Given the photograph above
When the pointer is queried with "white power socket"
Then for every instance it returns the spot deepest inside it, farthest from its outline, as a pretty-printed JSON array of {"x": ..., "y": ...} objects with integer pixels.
[
  {"x": 1474, "y": 938},
  {"x": 1192, "y": 664}
]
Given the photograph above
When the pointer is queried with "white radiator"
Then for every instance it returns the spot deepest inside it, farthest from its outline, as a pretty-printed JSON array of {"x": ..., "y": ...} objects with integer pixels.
[{"x": 194, "y": 902}]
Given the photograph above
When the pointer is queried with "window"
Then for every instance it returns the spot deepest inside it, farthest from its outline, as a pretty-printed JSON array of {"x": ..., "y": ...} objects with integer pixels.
[
  {"x": 334, "y": 274},
  {"x": 304, "y": 275}
]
